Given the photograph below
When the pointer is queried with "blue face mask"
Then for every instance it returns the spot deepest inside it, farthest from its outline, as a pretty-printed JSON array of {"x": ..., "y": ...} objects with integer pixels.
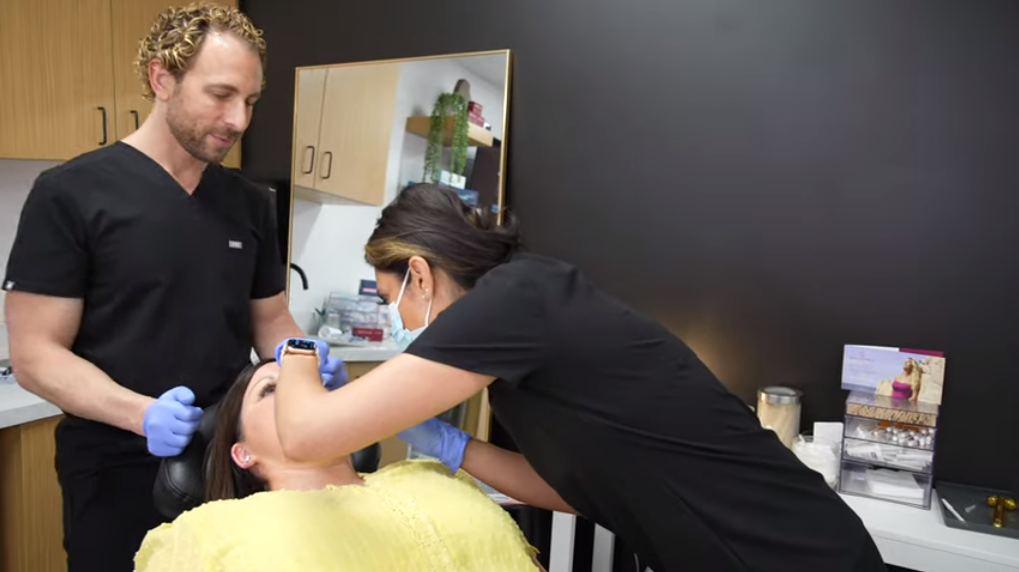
[{"x": 401, "y": 335}]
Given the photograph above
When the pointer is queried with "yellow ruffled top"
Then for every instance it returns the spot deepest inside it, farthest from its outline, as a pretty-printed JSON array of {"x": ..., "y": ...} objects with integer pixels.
[{"x": 409, "y": 516}]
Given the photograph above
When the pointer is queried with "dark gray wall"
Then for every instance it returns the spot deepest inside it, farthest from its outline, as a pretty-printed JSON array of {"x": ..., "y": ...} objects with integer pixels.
[{"x": 770, "y": 179}]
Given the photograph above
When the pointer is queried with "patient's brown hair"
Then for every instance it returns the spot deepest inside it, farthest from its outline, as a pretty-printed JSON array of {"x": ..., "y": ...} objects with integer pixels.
[{"x": 224, "y": 479}]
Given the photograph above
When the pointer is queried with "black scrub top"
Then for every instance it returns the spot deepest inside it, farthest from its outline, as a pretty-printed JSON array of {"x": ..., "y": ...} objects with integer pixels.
[
  {"x": 635, "y": 433},
  {"x": 167, "y": 277}
]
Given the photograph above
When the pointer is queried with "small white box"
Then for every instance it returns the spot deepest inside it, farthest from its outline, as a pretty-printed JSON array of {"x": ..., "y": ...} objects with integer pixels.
[{"x": 455, "y": 181}]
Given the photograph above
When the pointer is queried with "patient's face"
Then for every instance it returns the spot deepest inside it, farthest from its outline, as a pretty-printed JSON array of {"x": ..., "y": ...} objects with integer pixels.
[{"x": 259, "y": 442}]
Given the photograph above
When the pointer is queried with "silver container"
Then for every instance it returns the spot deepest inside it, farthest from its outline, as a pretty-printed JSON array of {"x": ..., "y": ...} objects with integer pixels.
[{"x": 778, "y": 409}]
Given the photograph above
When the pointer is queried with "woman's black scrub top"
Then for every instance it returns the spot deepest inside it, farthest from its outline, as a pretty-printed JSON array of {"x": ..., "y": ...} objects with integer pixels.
[{"x": 627, "y": 424}]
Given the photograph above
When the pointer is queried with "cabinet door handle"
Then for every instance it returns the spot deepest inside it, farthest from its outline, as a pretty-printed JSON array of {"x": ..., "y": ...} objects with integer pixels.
[
  {"x": 135, "y": 114},
  {"x": 330, "y": 171},
  {"x": 311, "y": 167},
  {"x": 103, "y": 111}
]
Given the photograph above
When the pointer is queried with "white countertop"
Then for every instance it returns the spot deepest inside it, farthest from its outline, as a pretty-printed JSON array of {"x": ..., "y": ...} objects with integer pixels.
[
  {"x": 18, "y": 406},
  {"x": 919, "y": 539},
  {"x": 374, "y": 353}
]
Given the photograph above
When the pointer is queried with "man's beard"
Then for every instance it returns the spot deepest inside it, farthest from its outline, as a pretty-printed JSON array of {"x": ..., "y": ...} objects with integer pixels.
[{"x": 193, "y": 139}]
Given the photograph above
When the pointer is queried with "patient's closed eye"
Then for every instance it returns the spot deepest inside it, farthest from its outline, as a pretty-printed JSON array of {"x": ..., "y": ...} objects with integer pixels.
[{"x": 267, "y": 389}]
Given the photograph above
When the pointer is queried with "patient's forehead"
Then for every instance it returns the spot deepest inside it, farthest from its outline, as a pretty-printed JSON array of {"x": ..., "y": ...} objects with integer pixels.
[
  {"x": 271, "y": 369},
  {"x": 266, "y": 372}
]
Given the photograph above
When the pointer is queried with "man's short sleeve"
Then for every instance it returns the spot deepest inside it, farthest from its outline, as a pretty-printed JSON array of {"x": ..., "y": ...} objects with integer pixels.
[
  {"x": 497, "y": 329},
  {"x": 50, "y": 254},
  {"x": 270, "y": 275}
]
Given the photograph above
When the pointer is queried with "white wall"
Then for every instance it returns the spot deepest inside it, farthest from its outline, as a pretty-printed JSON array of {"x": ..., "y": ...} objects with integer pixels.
[
  {"x": 327, "y": 241},
  {"x": 16, "y": 179},
  {"x": 421, "y": 83}
]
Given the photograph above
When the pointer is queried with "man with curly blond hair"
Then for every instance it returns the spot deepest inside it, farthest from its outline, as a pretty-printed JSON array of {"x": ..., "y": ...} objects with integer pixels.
[
  {"x": 205, "y": 116},
  {"x": 141, "y": 277}
]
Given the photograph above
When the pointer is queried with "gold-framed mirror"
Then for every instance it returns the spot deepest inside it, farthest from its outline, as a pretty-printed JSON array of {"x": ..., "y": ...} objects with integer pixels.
[{"x": 363, "y": 131}]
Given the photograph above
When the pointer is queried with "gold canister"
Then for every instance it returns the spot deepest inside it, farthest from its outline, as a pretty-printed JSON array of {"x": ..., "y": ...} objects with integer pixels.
[{"x": 778, "y": 409}]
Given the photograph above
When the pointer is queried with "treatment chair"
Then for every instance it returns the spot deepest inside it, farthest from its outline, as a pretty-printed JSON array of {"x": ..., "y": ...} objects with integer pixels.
[{"x": 180, "y": 482}]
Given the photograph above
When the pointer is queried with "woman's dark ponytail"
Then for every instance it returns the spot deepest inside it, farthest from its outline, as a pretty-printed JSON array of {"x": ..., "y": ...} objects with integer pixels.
[
  {"x": 434, "y": 223},
  {"x": 507, "y": 234}
]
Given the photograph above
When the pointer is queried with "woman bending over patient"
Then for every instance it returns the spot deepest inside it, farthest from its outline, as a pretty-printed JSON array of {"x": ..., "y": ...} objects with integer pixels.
[{"x": 265, "y": 512}]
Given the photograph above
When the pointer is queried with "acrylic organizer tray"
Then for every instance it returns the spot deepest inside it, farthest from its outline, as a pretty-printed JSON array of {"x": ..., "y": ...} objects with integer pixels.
[
  {"x": 871, "y": 481},
  {"x": 890, "y": 433},
  {"x": 888, "y": 449},
  {"x": 887, "y": 455},
  {"x": 979, "y": 516}
]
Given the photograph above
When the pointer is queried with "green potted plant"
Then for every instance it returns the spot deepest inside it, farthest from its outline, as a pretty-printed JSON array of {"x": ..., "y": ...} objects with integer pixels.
[{"x": 447, "y": 105}]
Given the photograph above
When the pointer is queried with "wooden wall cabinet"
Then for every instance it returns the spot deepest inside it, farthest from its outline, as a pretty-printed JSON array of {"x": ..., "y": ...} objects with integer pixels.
[
  {"x": 343, "y": 122},
  {"x": 311, "y": 88},
  {"x": 67, "y": 79}
]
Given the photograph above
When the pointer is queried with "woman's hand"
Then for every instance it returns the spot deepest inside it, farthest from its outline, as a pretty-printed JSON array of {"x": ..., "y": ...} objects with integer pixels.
[
  {"x": 506, "y": 472},
  {"x": 511, "y": 474},
  {"x": 439, "y": 440}
]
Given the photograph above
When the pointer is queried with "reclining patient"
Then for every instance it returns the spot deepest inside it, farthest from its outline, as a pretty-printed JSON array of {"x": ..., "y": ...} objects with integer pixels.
[{"x": 264, "y": 512}]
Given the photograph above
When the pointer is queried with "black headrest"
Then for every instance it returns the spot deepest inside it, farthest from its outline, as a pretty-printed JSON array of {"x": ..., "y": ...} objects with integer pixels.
[{"x": 180, "y": 482}]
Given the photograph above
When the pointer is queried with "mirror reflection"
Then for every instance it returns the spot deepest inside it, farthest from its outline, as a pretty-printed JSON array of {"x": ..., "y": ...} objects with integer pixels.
[{"x": 363, "y": 132}]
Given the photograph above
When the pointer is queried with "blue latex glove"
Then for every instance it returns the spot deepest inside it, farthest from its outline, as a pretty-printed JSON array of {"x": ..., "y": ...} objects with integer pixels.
[
  {"x": 330, "y": 368},
  {"x": 170, "y": 422},
  {"x": 439, "y": 440}
]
